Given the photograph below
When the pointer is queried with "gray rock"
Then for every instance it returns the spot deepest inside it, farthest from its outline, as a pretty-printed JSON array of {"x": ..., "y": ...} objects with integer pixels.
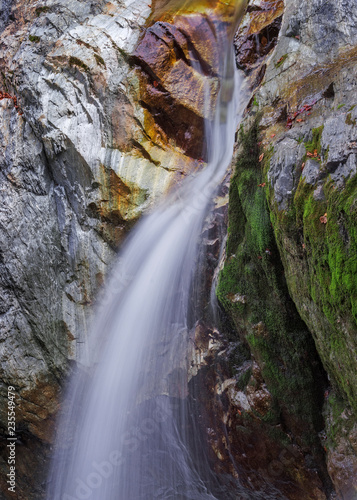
[
  {"x": 5, "y": 13},
  {"x": 282, "y": 174},
  {"x": 319, "y": 194},
  {"x": 311, "y": 172},
  {"x": 53, "y": 255},
  {"x": 343, "y": 171}
]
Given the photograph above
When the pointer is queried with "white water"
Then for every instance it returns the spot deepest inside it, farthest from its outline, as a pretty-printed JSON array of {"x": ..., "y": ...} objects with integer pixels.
[{"x": 126, "y": 433}]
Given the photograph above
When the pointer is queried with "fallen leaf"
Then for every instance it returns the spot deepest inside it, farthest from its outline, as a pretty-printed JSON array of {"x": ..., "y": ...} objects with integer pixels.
[
  {"x": 303, "y": 166},
  {"x": 261, "y": 157},
  {"x": 272, "y": 135},
  {"x": 299, "y": 120},
  {"x": 323, "y": 219},
  {"x": 155, "y": 84}
]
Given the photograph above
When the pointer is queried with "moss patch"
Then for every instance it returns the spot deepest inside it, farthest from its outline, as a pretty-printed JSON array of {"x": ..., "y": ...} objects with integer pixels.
[
  {"x": 267, "y": 318},
  {"x": 281, "y": 61},
  {"x": 34, "y": 39},
  {"x": 349, "y": 120},
  {"x": 315, "y": 143},
  {"x": 41, "y": 10},
  {"x": 334, "y": 408},
  {"x": 100, "y": 60},
  {"x": 74, "y": 61},
  {"x": 319, "y": 253}
]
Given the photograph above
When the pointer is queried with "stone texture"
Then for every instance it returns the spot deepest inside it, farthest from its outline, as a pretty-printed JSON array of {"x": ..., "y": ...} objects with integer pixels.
[
  {"x": 101, "y": 131},
  {"x": 257, "y": 36},
  {"x": 307, "y": 107},
  {"x": 84, "y": 152}
]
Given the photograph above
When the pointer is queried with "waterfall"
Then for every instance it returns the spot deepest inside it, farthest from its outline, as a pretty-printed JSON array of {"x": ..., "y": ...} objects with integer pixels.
[{"x": 126, "y": 432}]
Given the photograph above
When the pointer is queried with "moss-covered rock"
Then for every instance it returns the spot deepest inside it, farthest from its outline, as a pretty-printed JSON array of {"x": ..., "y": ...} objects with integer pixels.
[
  {"x": 317, "y": 240},
  {"x": 308, "y": 116},
  {"x": 253, "y": 291}
]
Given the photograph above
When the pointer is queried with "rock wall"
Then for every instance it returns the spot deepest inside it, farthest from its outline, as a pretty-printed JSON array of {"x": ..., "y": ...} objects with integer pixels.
[
  {"x": 94, "y": 129},
  {"x": 292, "y": 224}
]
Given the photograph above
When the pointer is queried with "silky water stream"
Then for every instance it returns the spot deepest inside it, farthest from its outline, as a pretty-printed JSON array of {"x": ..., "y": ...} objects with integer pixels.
[{"x": 126, "y": 432}]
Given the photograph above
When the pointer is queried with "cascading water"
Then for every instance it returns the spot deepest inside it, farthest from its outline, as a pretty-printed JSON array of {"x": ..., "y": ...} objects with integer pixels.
[{"x": 126, "y": 434}]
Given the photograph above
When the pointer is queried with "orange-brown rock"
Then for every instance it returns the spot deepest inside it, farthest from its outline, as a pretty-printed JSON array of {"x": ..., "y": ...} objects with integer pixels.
[
  {"x": 179, "y": 56},
  {"x": 258, "y": 34}
]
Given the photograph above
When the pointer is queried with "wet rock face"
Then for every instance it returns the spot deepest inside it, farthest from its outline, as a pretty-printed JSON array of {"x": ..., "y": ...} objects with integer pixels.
[
  {"x": 340, "y": 438},
  {"x": 312, "y": 171},
  {"x": 257, "y": 37},
  {"x": 306, "y": 109},
  {"x": 5, "y": 13},
  {"x": 180, "y": 64},
  {"x": 170, "y": 78},
  {"x": 235, "y": 420},
  {"x": 100, "y": 130}
]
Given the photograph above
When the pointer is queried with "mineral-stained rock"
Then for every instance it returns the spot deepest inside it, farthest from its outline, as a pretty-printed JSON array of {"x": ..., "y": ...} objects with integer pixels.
[
  {"x": 257, "y": 36},
  {"x": 94, "y": 129}
]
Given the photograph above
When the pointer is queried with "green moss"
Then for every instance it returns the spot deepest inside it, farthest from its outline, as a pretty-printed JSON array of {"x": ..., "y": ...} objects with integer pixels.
[
  {"x": 349, "y": 120},
  {"x": 267, "y": 320},
  {"x": 74, "y": 61},
  {"x": 335, "y": 406},
  {"x": 244, "y": 379},
  {"x": 34, "y": 39},
  {"x": 315, "y": 143},
  {"x": 352, "y": 107},
  {"x": 41, "y": 10},
  {"x": 100, "y": 60},
  {"x": 281, "y": 61},
  {"x": 340, "y": 106},
  {"x": 322, "y": 276}
]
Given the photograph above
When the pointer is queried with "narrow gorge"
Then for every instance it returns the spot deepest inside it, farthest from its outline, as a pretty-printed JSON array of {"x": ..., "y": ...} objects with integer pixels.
[{"x": 178, "y": 265}]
